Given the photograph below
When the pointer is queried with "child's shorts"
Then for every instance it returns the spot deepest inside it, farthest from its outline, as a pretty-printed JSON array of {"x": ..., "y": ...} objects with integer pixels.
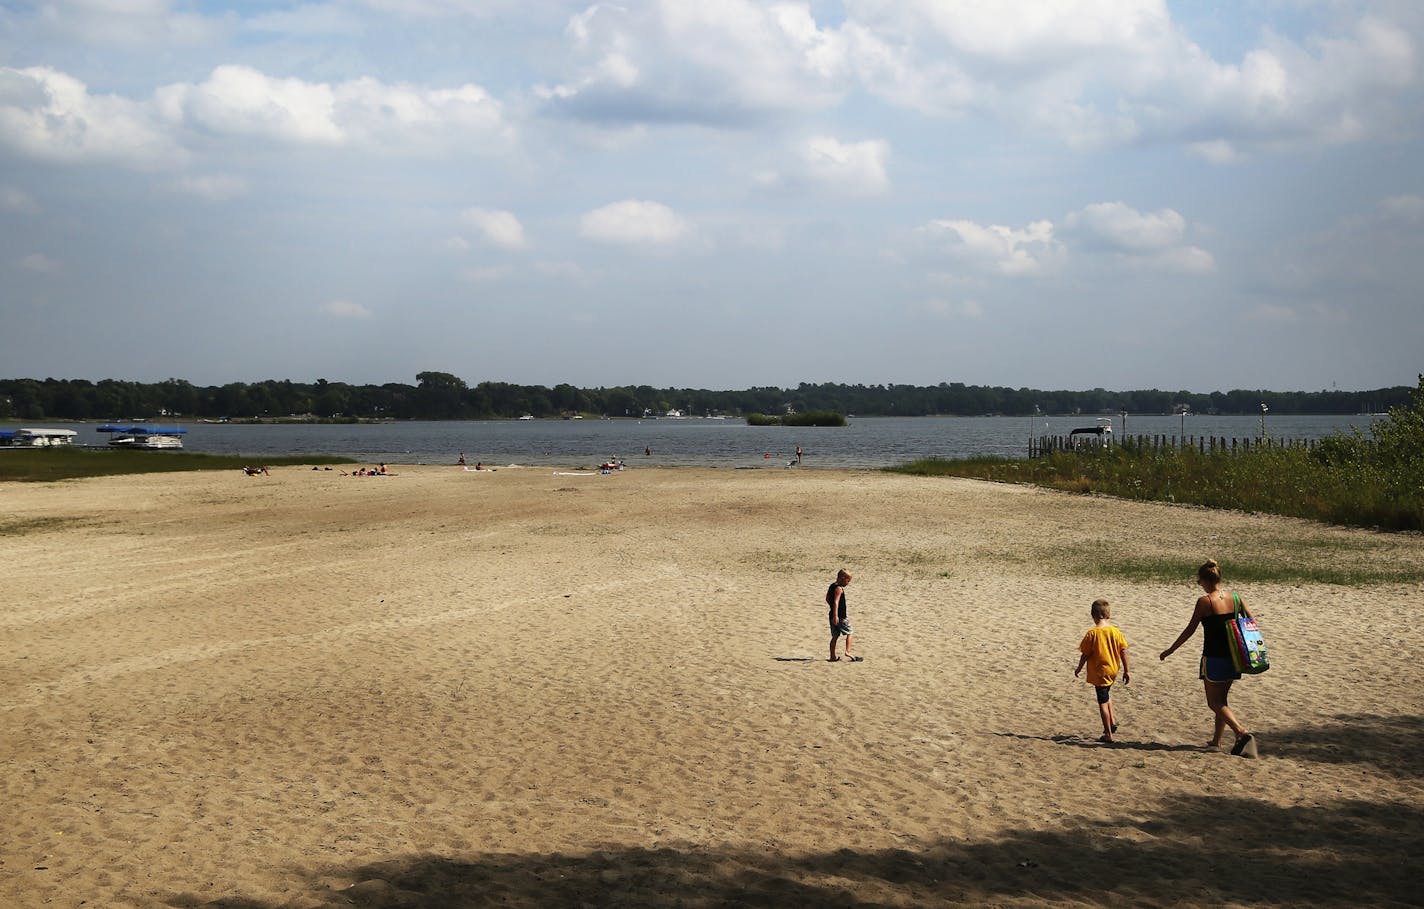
[
  {"x": 1104, "y": 693},
  {"x": 1218, "y": 669},
  {"x": 841, "y": 627}
]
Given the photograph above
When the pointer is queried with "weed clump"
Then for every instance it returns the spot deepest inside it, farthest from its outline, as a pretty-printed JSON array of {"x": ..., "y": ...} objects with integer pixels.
[{"x": 1347, "y": 479}]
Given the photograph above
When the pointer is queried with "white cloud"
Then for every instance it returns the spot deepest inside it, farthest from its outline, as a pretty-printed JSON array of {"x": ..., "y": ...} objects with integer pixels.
[
  {"x": 212, "y": 187},
  {"x": 237, "y": 101},
  {"x": 715, "y": 63},
  {"x": 48, "y": 115},
  {"x": 313, "y": 20},
  {"x": 346, "y": 309},
  {"x": 1126, "y": 236},
  {"x": 475, "y": 10},
  {"x": 17, "y": 200},
  {"x": 1217, "y": 151},
  {"x": 486, "y": 274},
  {"x": 1379, "y": 252},
  {"x": 465, "y": 118},
  {"x": 1123, "y": 71},
  {"x": 127, "y": 23},
  {"x": 1149, "y": 238},
  {"x": 40, "y": 263},
  {"x": 1329, "y": 90},
  {"x": 562, "y": 270},
  {"x": 953, "y": 310},
  {"x": 1122, "y": 227},
  {"x": 1403, "y": 209},
  {"x": 1192, "y": 260},
  {"x": 635, "y": 222},
  {"x": 1273, "y": 312},
  {"x": 1087, "y": 71},
  {"x": 995, "y": 248},
  {"x": 1023, "y": 34},
  {"x": 499, "y": 228},
  {"x": 857, "y": 168}
]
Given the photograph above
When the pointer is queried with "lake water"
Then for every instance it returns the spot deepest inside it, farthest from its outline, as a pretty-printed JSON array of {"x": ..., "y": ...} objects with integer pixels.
[{"x": 865, "y": 442}]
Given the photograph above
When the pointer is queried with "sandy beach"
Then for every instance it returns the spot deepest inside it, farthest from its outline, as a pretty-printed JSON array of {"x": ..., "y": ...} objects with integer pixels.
[{"x": 531, "y": 687}]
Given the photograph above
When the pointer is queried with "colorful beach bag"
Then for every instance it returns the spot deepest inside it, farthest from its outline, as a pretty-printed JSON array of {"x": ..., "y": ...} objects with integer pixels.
[{"x": 1248, "y": 646}]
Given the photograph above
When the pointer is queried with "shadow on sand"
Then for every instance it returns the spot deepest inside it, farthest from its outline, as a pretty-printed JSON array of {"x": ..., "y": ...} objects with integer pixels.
[
  {"x": 1391, "y": 744},
  {"x": 1202, "y": 851},
  {"x": 1122, "y": 744}
]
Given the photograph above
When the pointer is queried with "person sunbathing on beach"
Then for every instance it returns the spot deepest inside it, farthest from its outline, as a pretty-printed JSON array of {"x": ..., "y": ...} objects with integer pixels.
[{"x": 254, "y": 471}]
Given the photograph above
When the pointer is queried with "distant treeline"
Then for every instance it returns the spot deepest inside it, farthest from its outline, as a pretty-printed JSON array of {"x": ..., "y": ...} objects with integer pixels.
[{"x": 442, "y": 396}]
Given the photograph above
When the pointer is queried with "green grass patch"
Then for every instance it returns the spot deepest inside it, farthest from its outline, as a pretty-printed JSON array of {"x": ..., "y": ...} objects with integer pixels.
[
  {"x": 1293, "y": 482},
  {"x": 21, "y": 526},
  {"x": 49, "y": 465},
  {"x": 1161, "y": 570}
]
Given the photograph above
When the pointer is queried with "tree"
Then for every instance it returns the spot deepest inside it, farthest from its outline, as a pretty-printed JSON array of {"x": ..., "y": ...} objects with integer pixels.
[
  {"x": 178, "y": 396},
  {"x": 332, "y": 400},
  {"x": 440, "y": 396},
  {"x": 1399, "y": 439}
]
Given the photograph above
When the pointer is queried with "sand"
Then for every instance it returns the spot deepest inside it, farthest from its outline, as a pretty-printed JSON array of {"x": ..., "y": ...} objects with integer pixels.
[{"x": 522, "y": 688}]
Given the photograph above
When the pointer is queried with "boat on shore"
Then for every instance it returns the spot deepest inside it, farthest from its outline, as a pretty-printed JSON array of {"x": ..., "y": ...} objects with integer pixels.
[
  {"x": 28, "y": 437},
  {"x": 145, "y": 438},
  {"x": 1099, "y": 434}
]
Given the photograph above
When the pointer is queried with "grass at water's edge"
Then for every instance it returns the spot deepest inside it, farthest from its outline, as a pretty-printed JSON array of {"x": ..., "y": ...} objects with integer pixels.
[
  {"x": 45, "y": 465},
  {"x": 1288, "y": 482},
  {"x": 1251, "y": 570},
  {"x": 1281, "y": 483}
]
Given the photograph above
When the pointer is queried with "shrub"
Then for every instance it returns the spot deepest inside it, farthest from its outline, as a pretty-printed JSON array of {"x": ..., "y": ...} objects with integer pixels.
[
  {"x": 1346, "y": 479},
  {"x": 815, "y": 418}
]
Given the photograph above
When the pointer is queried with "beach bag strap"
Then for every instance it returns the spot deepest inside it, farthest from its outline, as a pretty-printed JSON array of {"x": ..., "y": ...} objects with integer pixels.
[{"x": 1237, "y": 607}]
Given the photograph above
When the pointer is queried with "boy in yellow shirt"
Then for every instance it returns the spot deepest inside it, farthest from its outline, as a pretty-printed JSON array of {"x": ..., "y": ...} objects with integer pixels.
[{"x": 1104, "y": 651}]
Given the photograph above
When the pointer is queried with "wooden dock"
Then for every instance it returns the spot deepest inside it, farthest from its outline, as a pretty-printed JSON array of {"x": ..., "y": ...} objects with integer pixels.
[{"x": 1049, "y": 444}]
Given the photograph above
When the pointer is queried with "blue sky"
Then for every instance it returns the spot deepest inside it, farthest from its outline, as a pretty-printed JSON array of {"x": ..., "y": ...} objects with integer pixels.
[{"x": 720, "y": 194}]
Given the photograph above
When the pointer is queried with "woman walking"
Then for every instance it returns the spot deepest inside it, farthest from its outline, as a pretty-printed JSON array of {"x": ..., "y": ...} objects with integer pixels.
[{"x": 1213, "y": 612}]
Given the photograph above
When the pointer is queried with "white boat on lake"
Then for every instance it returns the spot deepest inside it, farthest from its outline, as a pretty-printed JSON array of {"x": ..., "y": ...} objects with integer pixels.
[
  {"x": 28, "y": 437},
  {"x": 145, "y": 438}
]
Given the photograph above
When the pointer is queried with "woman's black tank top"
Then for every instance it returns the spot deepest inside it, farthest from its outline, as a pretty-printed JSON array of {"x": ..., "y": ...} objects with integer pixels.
[{"x": 1216, "y": 641}]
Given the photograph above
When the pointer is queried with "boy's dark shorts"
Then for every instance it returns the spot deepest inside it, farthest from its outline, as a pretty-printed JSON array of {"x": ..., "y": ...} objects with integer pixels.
[
  {"x": 841, "y": 627},
  {"x": 1104, "y": 693}
]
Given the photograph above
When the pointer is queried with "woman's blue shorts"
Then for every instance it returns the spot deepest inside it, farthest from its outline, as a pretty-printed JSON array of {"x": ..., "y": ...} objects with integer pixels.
[{"x": 1219, "y": 669}]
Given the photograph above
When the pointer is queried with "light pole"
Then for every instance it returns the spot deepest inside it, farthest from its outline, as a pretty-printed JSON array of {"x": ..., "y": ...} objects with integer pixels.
[
  {"x": 1264, "y": 410},
  {"x": 1182, "y": 435}
]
